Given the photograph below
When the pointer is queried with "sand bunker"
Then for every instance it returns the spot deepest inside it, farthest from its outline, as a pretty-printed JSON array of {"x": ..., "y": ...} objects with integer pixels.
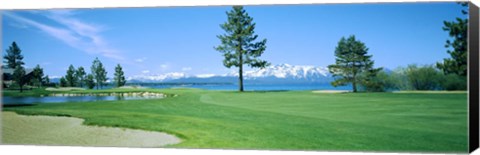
[{"x": 50, "y": 130}]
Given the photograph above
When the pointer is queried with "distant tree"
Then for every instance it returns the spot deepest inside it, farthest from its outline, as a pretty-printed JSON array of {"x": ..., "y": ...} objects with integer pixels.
[
  {"x": 46, "y": 80},
  {"x": 19, "y": 76},
  {"x": 13, "y": 57},
  {"x": 99, "y": 73},
  {"x": 457, "y": 48},
  {"x": 37, "y": 78},
  {"x": 63, "y": 82},
  {"x": 80, "y": 76},
  {"x": 119, "y": 77},
  {"x": 71, "y": 77},
  {"x": 351, "y": 62},
  {"x": 238, "y": 44},
  {"x": 90, "y": 81},
  {"x": 424, "y": 77}
]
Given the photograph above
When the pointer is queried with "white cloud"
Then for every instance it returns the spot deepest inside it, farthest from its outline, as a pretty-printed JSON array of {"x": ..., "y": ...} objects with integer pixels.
[
  {"x": 74, "y": 32},
  {"x": 145, "y": 71},
  {"x": 140, "y": 59},
  {"x": 186, "y": 68}
]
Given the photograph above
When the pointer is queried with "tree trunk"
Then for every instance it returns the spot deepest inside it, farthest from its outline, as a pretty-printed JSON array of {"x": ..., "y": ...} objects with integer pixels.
[
  {"x": 354, "y": 83},
  {"x": 21, "y": 88},
  {"x": 240, "y": 73}
]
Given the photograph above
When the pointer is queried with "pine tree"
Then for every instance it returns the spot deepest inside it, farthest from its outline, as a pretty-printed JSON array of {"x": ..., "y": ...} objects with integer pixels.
[
  {"x": 238, "y": 44},
  {"x": 99, "y": 73},
  {"x": 37, "y": 78},
  {"x": 351, "y": 63},
  {"x": 14, "y": 56},
  {"x": 90, "y": 81},
  {"x": 119, "y": 77},
  {"x": 80, "y": 76},
  {"x": 63, "y": 82},
  {"x": 458, "y": 30},
  {"x": 19, "y": 76},
  {"x": 46, "y": 80},
  {"x": 71, "y": 77}
]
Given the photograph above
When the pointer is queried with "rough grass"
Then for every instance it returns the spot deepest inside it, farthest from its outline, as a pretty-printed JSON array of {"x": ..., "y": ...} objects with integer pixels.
[{"x": 295, "y": 120}]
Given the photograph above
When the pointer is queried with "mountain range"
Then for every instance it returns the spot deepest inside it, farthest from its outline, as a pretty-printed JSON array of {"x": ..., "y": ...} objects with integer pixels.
[{"x": 283, "y": 73}]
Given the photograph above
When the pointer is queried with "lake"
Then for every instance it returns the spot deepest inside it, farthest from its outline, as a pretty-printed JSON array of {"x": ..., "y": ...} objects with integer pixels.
[
  {"x": 13, "y": 101},
  {"x": 253, "y": 87}
]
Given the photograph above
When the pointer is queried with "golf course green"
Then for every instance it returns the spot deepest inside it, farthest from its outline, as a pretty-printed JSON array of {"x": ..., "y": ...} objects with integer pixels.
[{"x": 281, "y": 120}]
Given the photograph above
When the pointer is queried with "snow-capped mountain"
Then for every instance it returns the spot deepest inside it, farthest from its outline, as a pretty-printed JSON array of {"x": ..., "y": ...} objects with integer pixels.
[
  {"x": 286, "y": 71},
  {"x": 283, "y": 73},
  {"x": 157, "y": 78}
]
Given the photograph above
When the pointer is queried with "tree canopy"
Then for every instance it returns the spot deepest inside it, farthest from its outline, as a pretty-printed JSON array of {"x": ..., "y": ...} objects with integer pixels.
[
  {"x": 119, "y": 78},
  {"x": 71, "y": 78},
  {"x": 352, "y": 60},
  {"x": 99, "y": 73},
  {"x": 13, "y": 57}
]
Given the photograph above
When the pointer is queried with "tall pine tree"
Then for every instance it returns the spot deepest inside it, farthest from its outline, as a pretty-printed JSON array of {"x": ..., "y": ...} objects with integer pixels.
[
  {"x": 71, "y": 77},
  {"x": 351, "y": 63},
  {"x": 119, "y": 77},
  {"x": 37, "y": 78},
  {"x": 13, "y": 57},
  {"x": 80, "y": 76},
  {"x": 99, "y": 73},
  {"x": 238, "y": 43}
]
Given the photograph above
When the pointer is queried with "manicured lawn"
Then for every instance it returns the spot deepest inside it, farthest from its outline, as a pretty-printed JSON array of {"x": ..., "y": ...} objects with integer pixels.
[{"x": 296, "y": 120}]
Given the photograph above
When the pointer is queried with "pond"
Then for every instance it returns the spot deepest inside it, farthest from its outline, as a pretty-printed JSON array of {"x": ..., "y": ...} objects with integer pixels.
[{"x": 19, "y": 101}]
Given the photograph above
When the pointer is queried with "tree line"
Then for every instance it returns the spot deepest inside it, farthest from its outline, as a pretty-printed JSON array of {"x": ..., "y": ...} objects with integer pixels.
[
  {"x": 73, "y": 78},
  {"x": 97, "y": 78}
]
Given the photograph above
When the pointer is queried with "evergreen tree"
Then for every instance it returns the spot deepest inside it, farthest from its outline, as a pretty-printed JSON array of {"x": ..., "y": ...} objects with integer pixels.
[
  {"x": 119, "y": 77},
  {"x": 80, "y": 73},
  {"x": 351, "y": 63},
  {"x": 37, "y": 78},
  {"x": 71, "y": 77},
  {"x": 19, "y": 77},
  {"x": 13, "y": 57},
  {"x": 99, "y": 73},
  {"x": 90, "y": 81},
  {"x": 238, "y": 44},
  {"x": 46, "y": 80},
  {"x": 63, "y": 82},
  {"x": 457, "y": 48}
]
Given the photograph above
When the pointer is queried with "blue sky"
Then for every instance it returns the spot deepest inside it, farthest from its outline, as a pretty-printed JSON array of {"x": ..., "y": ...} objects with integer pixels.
[{"x": 181, "y": 39}]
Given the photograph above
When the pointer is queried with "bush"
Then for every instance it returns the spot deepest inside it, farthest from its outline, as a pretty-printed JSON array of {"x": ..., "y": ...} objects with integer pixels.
[
  {"x": 424, "y": 78},
  {"x": 454, "y": 82}
]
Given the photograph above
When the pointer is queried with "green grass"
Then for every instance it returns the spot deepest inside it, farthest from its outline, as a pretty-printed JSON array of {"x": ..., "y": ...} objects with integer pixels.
[{"x": 295, "y": 120}]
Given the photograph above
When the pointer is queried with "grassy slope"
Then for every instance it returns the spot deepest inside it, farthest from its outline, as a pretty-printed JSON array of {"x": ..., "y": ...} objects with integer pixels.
[{"x": 288, "y": 120}]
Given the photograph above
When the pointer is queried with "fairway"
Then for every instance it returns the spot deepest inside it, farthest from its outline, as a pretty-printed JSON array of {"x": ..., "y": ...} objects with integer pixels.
[{"x": 290, "y": 120}]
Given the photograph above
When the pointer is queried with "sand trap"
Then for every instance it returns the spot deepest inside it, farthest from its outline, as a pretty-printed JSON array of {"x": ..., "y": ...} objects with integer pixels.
[
  {"x": 330, "y": 91},
  {"x": 64, "y": 89},
  {"x": 50, "y": 130}
]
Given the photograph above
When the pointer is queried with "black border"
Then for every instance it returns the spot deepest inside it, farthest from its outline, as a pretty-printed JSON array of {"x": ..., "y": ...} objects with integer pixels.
[{"x": 473, "y": 95}]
